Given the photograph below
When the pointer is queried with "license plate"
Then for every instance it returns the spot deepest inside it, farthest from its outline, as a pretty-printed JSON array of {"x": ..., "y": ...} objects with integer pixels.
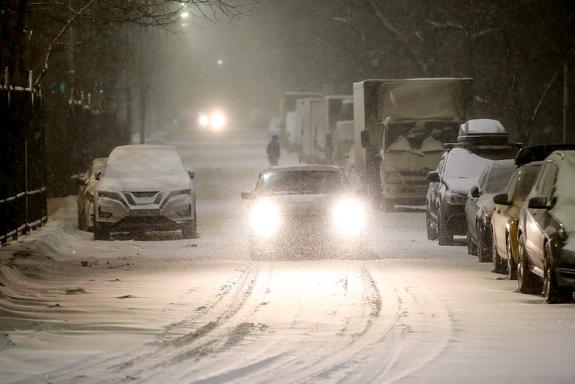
[{"x": 144, "y": 212}]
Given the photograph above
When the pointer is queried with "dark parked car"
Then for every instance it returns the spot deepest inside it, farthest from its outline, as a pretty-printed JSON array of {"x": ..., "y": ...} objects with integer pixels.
[
  {"x": 479, "y": 206},
  {"x": 506, "y": 216},
  {"x": 458, "y": 170},
  {"x": 546, "y": 231}
]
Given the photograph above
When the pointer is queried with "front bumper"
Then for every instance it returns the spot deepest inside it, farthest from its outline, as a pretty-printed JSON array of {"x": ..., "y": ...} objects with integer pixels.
[
  {"x": 454, "y": 216},
  {"x": 307, "y": 236},
  {"x": 118, "y": 215}
]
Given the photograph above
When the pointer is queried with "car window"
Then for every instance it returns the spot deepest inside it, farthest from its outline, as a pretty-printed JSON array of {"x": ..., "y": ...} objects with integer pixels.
[
  {"x": 140, "y": 163},
  {"x": 546, "y": 180},
  {"x": 497, "y": 178},
  {"x": 301, "y": 182},
  {"x": 525, "y": 181},
  {"x": 511, "y": 184},
  {"x": 482, "y": 178},
  {"x": 463, "y": 164}
]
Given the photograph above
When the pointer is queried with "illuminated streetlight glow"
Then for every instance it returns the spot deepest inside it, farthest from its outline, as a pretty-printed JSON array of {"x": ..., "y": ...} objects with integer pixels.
[
  {"x": 220, "y": 62},
  {"x": 185, "y": 15}
]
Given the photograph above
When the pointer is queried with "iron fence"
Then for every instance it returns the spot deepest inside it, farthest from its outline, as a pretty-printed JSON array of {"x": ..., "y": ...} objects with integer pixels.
[{"x": 23, "y": 191}]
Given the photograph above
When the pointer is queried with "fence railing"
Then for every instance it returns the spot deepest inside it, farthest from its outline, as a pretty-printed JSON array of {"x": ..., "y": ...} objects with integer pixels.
[{"x": 23, "y": 191}]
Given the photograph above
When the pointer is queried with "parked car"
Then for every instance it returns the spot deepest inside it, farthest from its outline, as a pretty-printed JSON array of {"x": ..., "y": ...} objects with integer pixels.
[
  {"x": 145, "y": 188},
  {"x": 506, "y": 216},
  {"x": 86, "y": 192},
  {"x": 458, "y": 170},
  {"x": 546, "y": 225},
  {"x": 479, "y": 206},
  {"x": 301, "y": 208}
]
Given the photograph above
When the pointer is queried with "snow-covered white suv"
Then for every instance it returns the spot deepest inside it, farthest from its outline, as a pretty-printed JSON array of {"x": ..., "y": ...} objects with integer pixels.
[{"x": 144, "y": 188}]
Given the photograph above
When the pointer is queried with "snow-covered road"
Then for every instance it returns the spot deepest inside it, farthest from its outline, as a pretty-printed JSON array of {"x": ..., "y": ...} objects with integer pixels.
[{"x": 164, "y": 310}]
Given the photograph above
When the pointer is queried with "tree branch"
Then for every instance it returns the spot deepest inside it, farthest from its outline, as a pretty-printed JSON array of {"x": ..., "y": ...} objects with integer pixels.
[
  {"x": 399, "y": 36},
  {"x": 57, "y": 37}
]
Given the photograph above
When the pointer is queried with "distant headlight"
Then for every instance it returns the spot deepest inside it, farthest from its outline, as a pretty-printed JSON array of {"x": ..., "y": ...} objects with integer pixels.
[
  {"x": 349, "y": 217},
  {"x": 455, "y": 198},
  {"x": 265, "y": 218},
  {"x": 218, "y": 120},
  {"x": 203, "y": 120},
  {"x": 110, "y": 195}
]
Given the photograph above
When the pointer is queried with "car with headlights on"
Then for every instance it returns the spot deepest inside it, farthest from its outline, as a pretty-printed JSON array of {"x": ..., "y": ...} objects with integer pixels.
[
  {"x": 86, "y": 192},
  {"x": 305, "y": 209},
  {"x": 505, "y": 217},
  {"x": 547, "y": 231},
  {"x": 479, "y": 206},
  {"x": 144, "y": 188}
]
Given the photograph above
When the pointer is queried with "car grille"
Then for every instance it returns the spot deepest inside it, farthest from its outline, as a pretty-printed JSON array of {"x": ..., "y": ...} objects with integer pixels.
[{"x": 140, "y": 195}]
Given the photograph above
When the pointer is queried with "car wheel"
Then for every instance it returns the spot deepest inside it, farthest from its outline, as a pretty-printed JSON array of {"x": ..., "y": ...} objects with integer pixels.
[
  {"x": 101, "y": 232},
  {"x": 511, "y": 264},
  {"x": 444, "y": 236},
  {"x": 554, "y": 294},
  {"x": 81, "y": 225},
  {"x": 190, "y": 231},
  {"x": 498, "y": 263},
  {"x": 471, "y": 246},
  {"x": 431, "y": 231},
  {"x": 526, "y": 280},
  {"x": 483, "y": 246}
]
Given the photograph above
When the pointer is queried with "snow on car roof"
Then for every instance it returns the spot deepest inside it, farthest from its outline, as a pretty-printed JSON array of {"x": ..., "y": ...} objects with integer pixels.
[
  {"x": 482, "y": 126},
  {"x": 141, "y": 160},
  {"x": 307, "y": 167}
]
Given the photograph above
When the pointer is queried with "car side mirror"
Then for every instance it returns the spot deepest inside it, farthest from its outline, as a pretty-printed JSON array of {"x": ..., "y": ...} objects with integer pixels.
[
  {"x": 432, "y": 177},
  {"x": 98, "y": 175},
  {"x": 248, "y": 195},
  {"x": 501, "y": 199},
  {"x": 538, "y": 203},
  {"x": 191, "y": 174},
  {"x": 81, "y": 181},
  {"x": 475, "y": 192},
  {"x": 364, "y": 139}
]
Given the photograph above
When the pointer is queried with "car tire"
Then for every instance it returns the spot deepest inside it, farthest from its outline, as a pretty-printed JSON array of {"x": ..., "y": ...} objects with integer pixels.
[
  {"x": 443, "y": 235},
  {"x": 471, "y": 246},
  {"x": 81, "y": 225},
  {"x": 511, "y": 263},
  {"x": 190, "y": 231},
  {"x": 554, "y": 294},
  {"x": 526, "y": 280},
  {"x": 483, "y": 248},
  {"x": 431, "y": 231},
  {"x": 101, "y": 232},
  {"x": 499, "y": 265}
]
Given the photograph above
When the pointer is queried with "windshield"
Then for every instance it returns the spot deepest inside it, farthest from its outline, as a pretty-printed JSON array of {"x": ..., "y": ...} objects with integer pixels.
[
  {"x": 463, "y": 164},
  {"x": 144, "y": 163},
  {"x": 498, "y": 178},
  {"x": 525, "y": 181},
  {"x": 301, "y": 182}
]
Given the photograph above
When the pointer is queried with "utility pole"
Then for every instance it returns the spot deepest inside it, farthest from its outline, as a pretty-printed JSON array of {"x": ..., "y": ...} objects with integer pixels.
[
  {"x": 128, "y": 85},
  {"x": 143, "y": 86}
]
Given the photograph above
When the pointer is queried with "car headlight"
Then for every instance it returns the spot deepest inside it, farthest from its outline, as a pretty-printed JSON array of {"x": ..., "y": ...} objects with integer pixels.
[
  {"x": 265, "y": 218},
  {"x": 349, "y": 217},
  {"x": 455, "y": 198},
  {"x": 218, "y": 120},
  {"x": 110, "y": 195},
  {"x": 203, "y": 120}
]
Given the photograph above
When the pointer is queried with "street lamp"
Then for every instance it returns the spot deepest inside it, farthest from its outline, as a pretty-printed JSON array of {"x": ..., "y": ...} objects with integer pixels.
[
  {"x": 220, "y": 62},
  {"x": 185, "y": 15}
]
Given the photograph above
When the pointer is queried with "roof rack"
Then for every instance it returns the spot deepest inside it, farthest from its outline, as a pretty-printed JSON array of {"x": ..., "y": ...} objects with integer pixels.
[{"x": 539, "y": 152}]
